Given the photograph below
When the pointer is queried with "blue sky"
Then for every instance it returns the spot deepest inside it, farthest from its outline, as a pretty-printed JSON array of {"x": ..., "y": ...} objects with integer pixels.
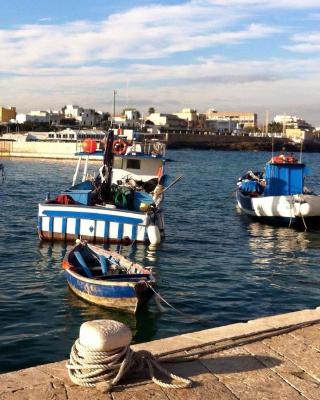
[{"x": 244, "y": 55}]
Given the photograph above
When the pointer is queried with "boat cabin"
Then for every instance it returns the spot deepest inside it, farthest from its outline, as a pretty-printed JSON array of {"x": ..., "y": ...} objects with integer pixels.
[
  {"x": 137, "y": 168},
  {"x": 284, "y": 179}
]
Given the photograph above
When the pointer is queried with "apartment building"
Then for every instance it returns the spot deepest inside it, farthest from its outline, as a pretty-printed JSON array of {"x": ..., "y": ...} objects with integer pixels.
[{"x": 242, "y": 119}]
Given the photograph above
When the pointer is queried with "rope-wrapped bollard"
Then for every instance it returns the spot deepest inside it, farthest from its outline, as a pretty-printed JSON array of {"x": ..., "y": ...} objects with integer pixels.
[{"x": 101, "y": 356}]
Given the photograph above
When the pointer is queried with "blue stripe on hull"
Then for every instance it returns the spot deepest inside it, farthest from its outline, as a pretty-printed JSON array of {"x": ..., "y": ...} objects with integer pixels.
[
  {"x": 92, "y": 216},
  {"x": 113, "y": 291}
]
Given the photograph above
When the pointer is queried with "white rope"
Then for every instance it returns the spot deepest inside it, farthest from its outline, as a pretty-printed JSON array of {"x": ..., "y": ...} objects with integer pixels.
[
  {"x": 104, "y": 369},
  {"x": 303, "y": 220}
]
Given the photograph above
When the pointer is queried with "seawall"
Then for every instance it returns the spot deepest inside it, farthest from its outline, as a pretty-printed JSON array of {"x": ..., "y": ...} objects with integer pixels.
[{"x": 243, "y": 143}]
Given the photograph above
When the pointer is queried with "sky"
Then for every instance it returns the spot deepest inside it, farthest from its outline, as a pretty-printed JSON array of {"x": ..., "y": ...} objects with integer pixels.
[{"x": 230, "y": 55}]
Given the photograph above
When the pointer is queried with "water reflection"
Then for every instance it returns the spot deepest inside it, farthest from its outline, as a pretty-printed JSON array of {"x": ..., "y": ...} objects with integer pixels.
[
  {"x": 280, "y": 256},
  {"x": 270, "y": 240}
]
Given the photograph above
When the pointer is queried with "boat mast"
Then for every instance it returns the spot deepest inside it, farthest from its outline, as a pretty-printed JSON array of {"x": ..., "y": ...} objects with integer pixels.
[{"x": 108, "y": 158}]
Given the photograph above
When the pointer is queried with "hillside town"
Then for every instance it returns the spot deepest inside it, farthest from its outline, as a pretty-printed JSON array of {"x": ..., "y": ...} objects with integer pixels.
[{"x": 187, "y": 120}]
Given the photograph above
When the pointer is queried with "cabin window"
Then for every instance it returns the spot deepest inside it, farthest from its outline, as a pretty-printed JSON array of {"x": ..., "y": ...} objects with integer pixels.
[{"x": 133, "y": 164}]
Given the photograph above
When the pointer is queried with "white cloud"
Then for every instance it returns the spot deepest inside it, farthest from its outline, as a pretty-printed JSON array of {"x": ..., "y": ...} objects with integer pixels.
[
  {"x": 306, "y": 43},
  {"x": 263, "y": 3},
  {"x": 154, "y": 32},
  {"x": 47, "y": 65}
]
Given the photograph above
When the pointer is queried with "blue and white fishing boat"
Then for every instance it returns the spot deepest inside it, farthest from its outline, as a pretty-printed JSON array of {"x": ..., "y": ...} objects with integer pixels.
[
  {"x": 106, "y": 278},
  {"x": 120, "y": 203},
  {"x": 279, "y": 194}
]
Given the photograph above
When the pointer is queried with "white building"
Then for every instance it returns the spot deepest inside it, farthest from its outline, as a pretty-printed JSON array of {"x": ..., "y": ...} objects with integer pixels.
[
  {"x": 167, "y": 121},
  {"x": 292, "y": 122},
  {"x": 50, "y": 117},
  {"x": 84, "y": 116}
]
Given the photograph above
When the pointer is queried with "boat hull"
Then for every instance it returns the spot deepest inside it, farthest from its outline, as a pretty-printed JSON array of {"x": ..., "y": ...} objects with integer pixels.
[
  {"x": 95, "y": 224},
  {"x": 289, "y": 208},
  {"x": 130, "y": 296}
]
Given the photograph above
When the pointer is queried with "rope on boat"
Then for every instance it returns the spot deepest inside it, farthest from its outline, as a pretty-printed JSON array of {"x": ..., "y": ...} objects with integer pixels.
[
  {"x": 304, "y": 222},
  {"x": 292, "y": 204},
  {"x": 104, "y": 369}
]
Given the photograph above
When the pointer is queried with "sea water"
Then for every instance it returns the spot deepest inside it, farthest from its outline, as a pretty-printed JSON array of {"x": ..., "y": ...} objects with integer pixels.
[{"x": 215, "y": 265}]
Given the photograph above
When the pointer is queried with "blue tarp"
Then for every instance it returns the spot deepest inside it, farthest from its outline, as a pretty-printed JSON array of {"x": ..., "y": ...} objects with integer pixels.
[
  {"x": 284, "y": 179},
  {"x": 251, "y": 186}
]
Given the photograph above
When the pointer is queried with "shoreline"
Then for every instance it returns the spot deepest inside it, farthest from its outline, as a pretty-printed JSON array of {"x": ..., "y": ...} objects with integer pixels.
[{"x": 176, "y": 141}]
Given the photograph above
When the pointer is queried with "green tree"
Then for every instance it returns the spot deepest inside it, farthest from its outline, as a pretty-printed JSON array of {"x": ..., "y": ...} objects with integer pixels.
[
  {"x": 151, "y": 110},
  {"x": 275, "y": 127}
]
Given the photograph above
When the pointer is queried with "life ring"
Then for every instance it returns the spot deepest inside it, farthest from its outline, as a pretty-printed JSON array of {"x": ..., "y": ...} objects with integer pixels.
[{"x": 119, "y": 147}]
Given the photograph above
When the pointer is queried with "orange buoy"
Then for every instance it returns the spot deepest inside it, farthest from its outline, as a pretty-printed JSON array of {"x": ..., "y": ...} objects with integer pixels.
[{"x": 89, "y": 145}]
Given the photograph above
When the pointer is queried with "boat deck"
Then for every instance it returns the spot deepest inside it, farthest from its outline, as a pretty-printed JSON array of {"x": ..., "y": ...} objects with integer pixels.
[{"x": 268, "y": 358}]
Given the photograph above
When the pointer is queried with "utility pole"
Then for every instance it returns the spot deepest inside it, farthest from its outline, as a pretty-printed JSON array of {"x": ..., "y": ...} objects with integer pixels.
[
  {"x": 267, "y": 123},
  {"x": 114, "y": 105}
]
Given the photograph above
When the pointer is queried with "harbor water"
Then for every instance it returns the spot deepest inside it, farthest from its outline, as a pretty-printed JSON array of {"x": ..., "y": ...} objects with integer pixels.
[{"x": 215, "y": 266}]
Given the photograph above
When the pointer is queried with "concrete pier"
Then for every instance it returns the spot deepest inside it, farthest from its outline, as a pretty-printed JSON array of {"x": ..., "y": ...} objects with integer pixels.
[{"x": 274, "y": 358}]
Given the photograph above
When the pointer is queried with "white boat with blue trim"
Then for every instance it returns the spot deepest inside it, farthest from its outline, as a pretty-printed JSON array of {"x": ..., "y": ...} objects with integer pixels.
[
  {"x": 120, "y": 203},
  {"x": 279, "y": 193}
]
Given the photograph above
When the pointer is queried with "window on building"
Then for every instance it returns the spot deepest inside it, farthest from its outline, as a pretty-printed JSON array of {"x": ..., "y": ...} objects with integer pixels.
[
  {"x": 65, "y": 136},
  {"x": 71, "y": 136},
  {"x": 133, "y": 163},
  {"x": 51, "y": 135},
  {"x": 58, "y": 135}
]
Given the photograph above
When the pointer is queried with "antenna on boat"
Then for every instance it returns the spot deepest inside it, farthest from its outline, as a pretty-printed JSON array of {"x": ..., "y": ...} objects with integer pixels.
[{"x": 301, "y": 147}]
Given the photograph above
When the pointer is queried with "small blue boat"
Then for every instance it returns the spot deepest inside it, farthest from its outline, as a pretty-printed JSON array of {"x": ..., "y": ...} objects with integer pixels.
[{"x": 106, "y": 278}]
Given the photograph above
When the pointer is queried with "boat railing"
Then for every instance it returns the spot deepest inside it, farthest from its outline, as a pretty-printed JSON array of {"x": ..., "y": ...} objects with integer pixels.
[{"x": 148, "y": 147}]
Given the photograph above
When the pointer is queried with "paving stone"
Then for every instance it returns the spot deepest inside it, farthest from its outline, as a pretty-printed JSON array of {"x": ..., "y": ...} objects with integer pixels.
[
  {"x": 143, "y": 392},
  {"x": 292, "y": 318},
  {"x": 75, "y": 392},
  {"x": 22, "y": 379},
  {"x": 298, "y": 352},
  {"x": 57, "y": 370},
  {"x": 247, "y": 378},
  {"x": 38, "y": 392},
  {"x": 226, "y": 332},
  {"x": 310, "y": 335},
  {"x": 291, "y": 373},
  {"x": 168, "y": 345},
  {"x": 206, "y": 385}
]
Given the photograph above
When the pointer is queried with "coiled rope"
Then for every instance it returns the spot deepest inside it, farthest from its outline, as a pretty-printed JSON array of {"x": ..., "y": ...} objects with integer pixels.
[{"x": 104, "y": 369}]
